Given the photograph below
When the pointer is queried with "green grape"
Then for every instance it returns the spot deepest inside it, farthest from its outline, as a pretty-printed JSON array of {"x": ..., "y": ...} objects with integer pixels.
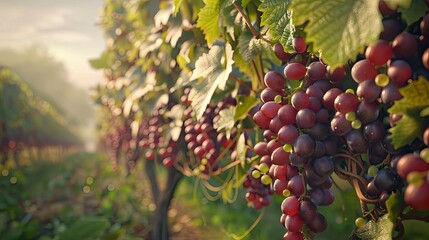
[
  {"x": 263, "y": 167},
  {"x": 372, "y": 171},
  {"x": 266, "y": 179},
  {"x": 356, "y": 124},
  {"x": 256, "y": 174},
  {"x": 351, "y": 116},
  {"x": 382, "y": 80},
  {"x": 360, "y": 222}
]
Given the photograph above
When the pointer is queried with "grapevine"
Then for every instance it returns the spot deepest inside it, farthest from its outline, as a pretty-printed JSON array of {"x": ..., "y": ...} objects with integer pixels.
[{"x": 289, "y": 99}]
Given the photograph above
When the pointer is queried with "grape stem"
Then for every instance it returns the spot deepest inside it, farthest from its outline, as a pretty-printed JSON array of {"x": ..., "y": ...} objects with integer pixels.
[
  {"x": 239, "y": 81},
  {"x": 255, "y": 33}
]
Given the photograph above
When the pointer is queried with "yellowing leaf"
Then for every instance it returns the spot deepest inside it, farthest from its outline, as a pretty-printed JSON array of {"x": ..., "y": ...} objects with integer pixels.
[
  {"x": 415, "y": 96},
  {"x": 376, "y": 230},
  {"x": 347, "y": 25},
  {"x": 214, "y": 67}
]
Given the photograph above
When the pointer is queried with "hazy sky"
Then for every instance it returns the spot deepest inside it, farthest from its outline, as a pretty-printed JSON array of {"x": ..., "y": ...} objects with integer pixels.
[{"x": 66, "y": 27}]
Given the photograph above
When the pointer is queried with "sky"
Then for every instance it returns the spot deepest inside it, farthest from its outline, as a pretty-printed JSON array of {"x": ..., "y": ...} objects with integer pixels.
[{"x": 67, "y": 28}]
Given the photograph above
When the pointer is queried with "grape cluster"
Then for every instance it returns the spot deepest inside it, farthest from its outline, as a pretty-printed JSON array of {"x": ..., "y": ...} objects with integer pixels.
[
  {"x": 308, "y": 130},
  {"x": 204, "y": 142},
  {"x": 258, "y": 193},
  {"x": 298, "y": 146},
  {"x": 153, "y": 142}
]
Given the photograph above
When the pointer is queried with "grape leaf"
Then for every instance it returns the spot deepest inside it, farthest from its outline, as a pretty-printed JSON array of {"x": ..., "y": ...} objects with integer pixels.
[
  {"x": 176, "y": 6},
  {"x": 379, "y": 230},
  {"x": 249, "y": 46},
  {"x": 276, "y": 17},
  {"x": 244, "y": 104},
  {"x": 424, "y": 112},
  {"x": 214, "y": 67},
  {"x": 394, "y": 204},
  {"x": 226, "y": 120},
  {"x": 414, "y": 12},
  {"x": 208, "y": 19},
  {"x": 415, "y": 96},
  {"x": 348, "y": 25},
  {"x": 406, "y": 130}
]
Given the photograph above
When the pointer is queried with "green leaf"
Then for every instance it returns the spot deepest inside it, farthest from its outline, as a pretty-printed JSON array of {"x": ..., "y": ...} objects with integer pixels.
[
  {"x": 414, "y": 12},
  {"x": 244, "y": 104},
  {"x": 176, "y": 6},
  {"x": 395, "y": 3},
  {"x": 424, "y": 112},
  {"x": 226, "y": 120},
  {"x": 415, "y": 101},
  {"x": 376, "y": 230},
  {"x": 249, "y": 46},
  {"x": 415, "y": 96},
  {"x": 347, "y": 25},
  {"x": 276, "y": 17},
  {"x": 208, "y": 20},
  {"x": 406, "y": 130},
  {"x": 214, "y": 67},
  {"x": 394, "y": 206},
  {"x": 86, "y": 228}
]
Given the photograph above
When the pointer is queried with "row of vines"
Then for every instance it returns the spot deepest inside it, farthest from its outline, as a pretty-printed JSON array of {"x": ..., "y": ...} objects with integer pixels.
[
  {"x": 288, "y": 99},
  {"x": 28, "y": 124}
]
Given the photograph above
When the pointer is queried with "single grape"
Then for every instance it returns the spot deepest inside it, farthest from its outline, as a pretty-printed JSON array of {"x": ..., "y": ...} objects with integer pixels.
[
  {"x": 323, "y": 166},
  {"x": 382, "y": 80},
  {"x": 363, "y": 70},
  {"x": 356, "y": 142},
  {"x": 307, "y": 210},
  {"x": 295, "y": 71},
  {"x": 391, "y": 28},
  {"x": 372, "y": 171},
  {"x": 274, "y": 80},
  {"x": 290, "y": 206},
  {"x": 417, "y": 196},
  {"x": 330, "y": 96},
  {"x": 360, "y": 222},
  {"x": 346, "y": 102},
  {"x": 367, "y": 112},
  {"x": 293, "y": 236},
  {"x": 340, "y": 126},
  {"x": 411, "y": 163},
  {"x": 368, "y": 90},
  {"x": 336, "y": 75},
  {"x": 386, "y": 180},
  {"x": 299, "y": 44},
  {"x": 280, "y": 52},
  {"x": 374, "y": 131},
  {"x": 280, "y": 157},
  {"x": 288, "y": 134},
  {"x": 294, "y": 223},
  {"x": 318, "y": 224},
  {"x": 296, "y": 185},
  {"x": 425, "y": 58},
  {"x": 379, "y": 53},
  {"x": 287, "y": 114},
  {"x": 270, "y": 109},
  {"x": 261, "y": 120},
  {"x": 304, "y": 145},
  {"x": 316, "y": 70},
  {"x": 390, "y": 93},
  {"x": 305, "y": 118},
  {"x": 405, "y": 46},
  {"x": 266, "y": 180},
  {"x": 300, "y": 100},
  {"x": 399, "y": 72}
]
